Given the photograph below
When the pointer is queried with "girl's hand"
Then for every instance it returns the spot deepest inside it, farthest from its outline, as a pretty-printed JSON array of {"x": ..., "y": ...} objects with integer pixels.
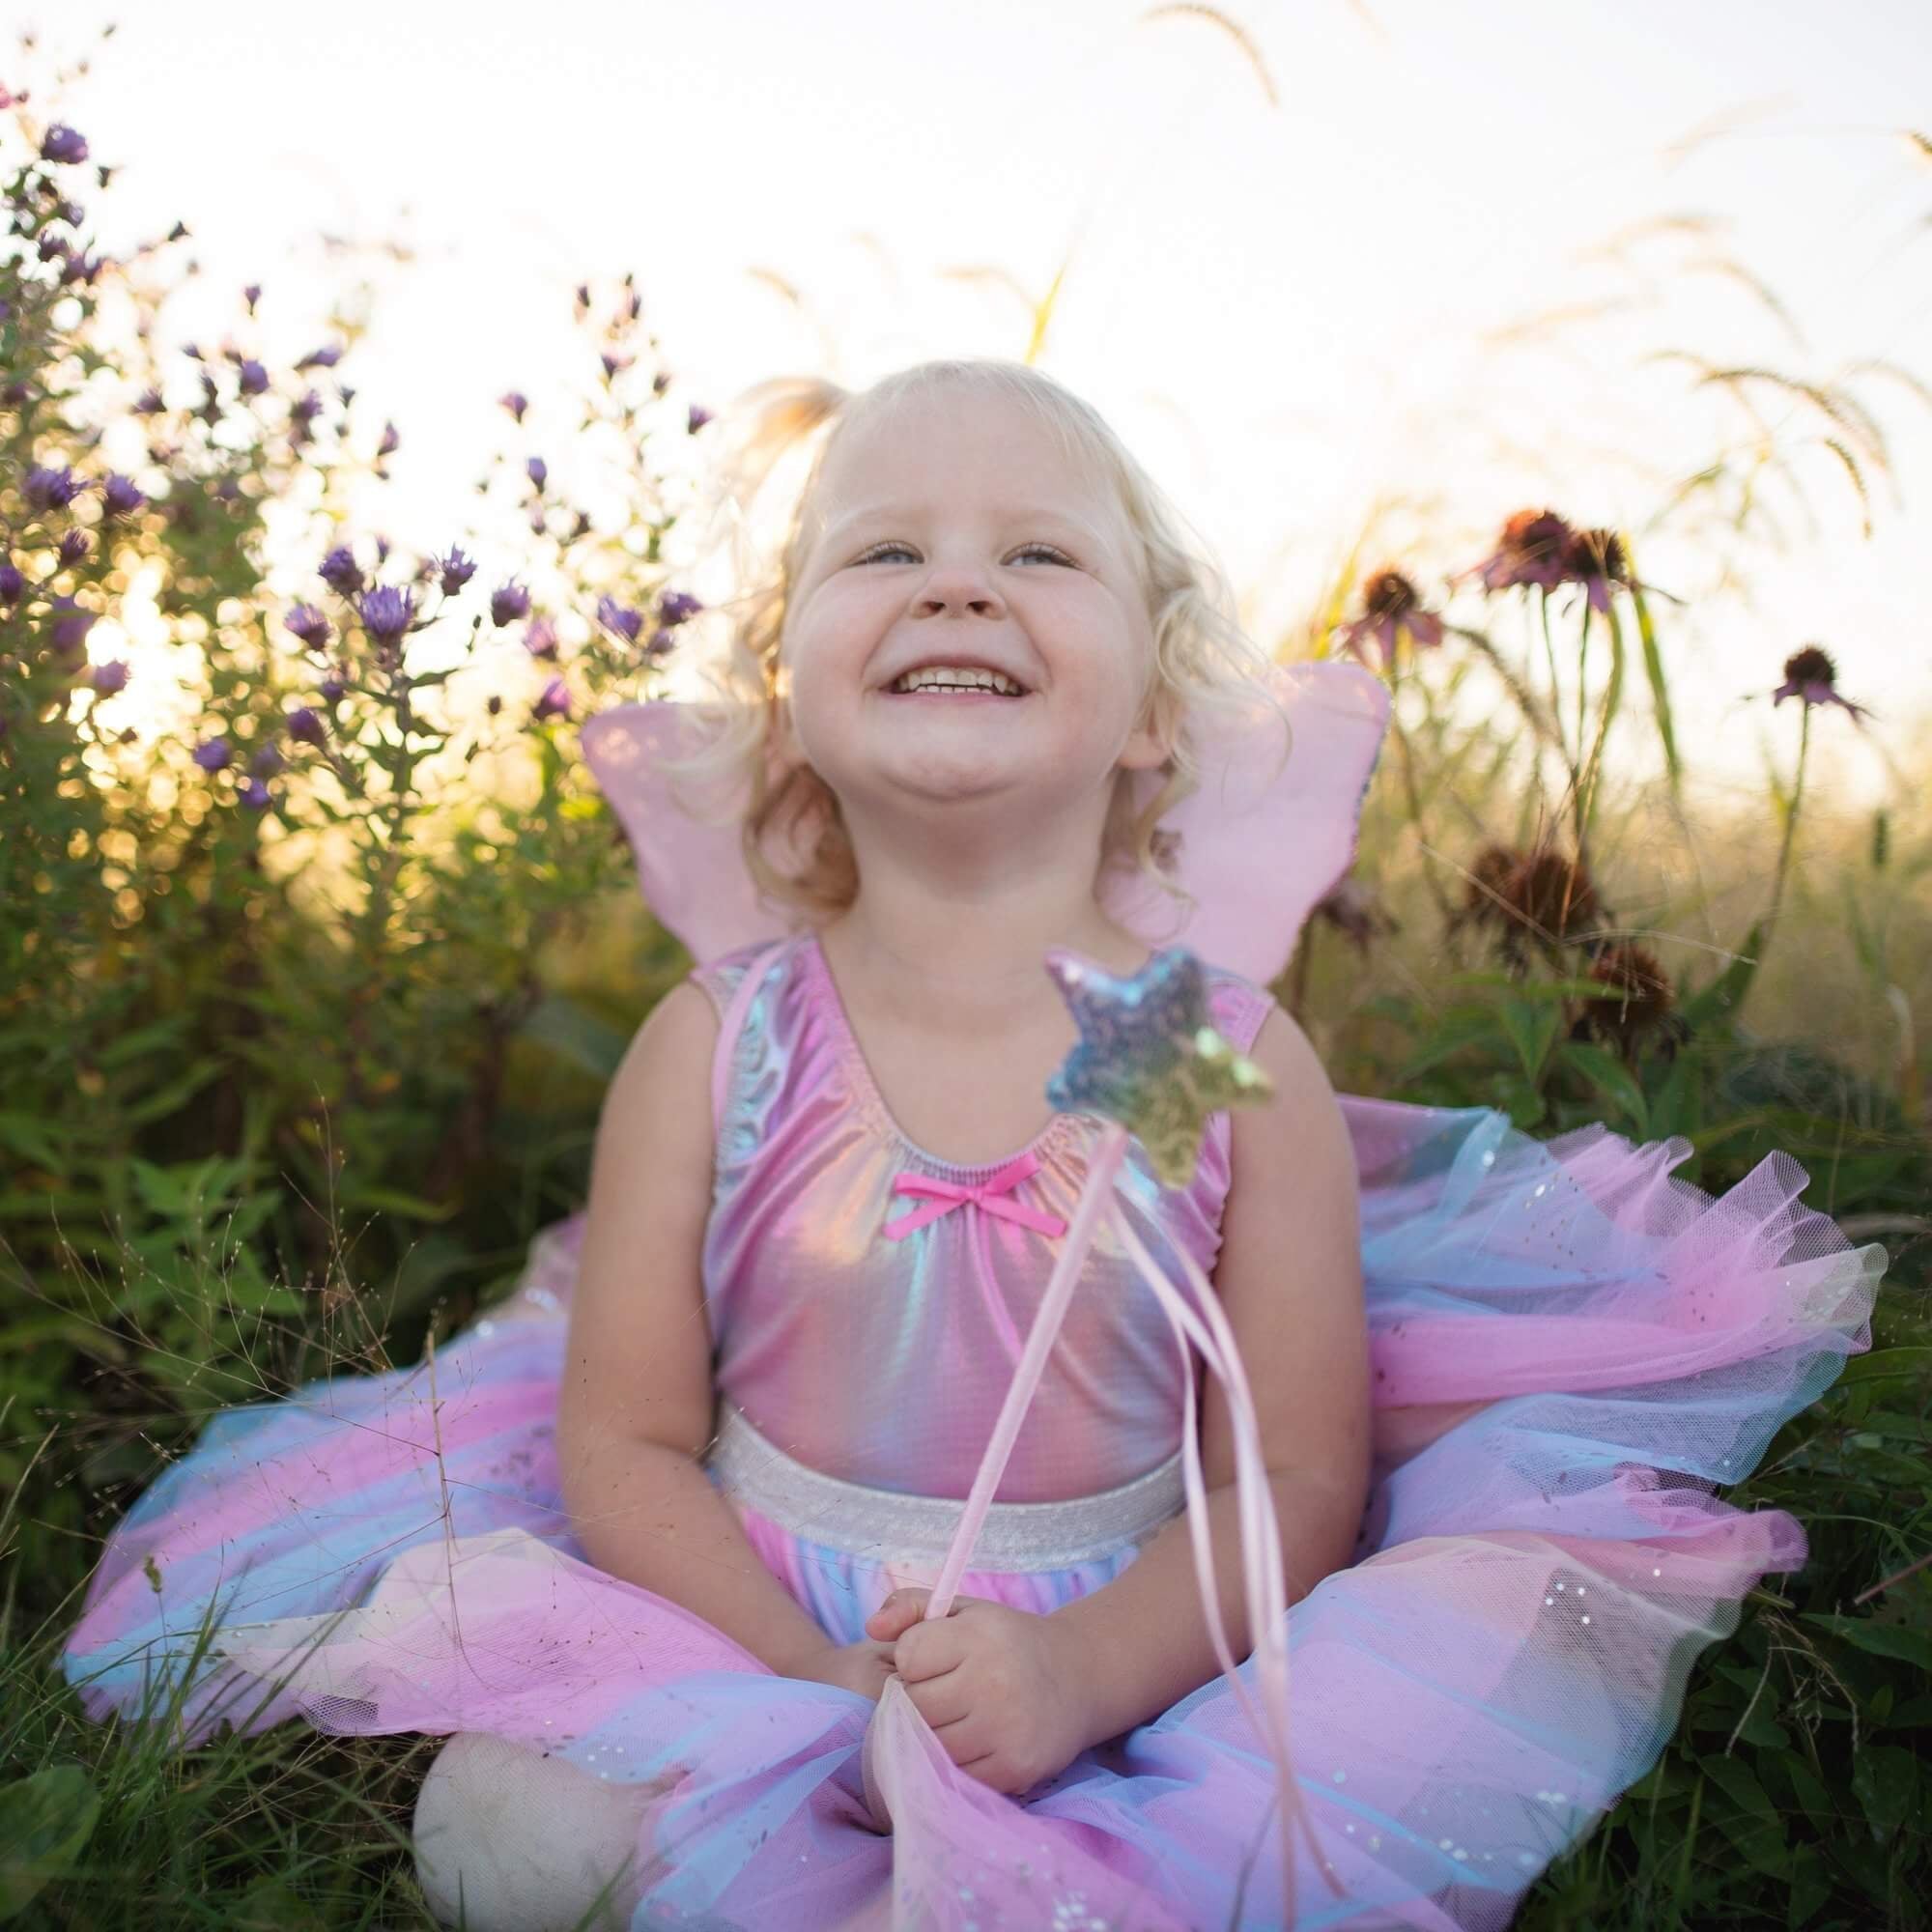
[
  {"x": 996, "y": 1684},
  {"x": 862, "y": 1666}
]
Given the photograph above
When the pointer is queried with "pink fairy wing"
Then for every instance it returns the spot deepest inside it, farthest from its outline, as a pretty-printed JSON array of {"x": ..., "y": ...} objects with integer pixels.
[
  {"x": 691, "y": 873},
  {"x": 1263, "y": 842},
  {"x": 1260, "y": 842}
]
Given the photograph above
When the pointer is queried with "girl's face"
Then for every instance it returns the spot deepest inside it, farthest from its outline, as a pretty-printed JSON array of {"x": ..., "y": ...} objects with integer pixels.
[{"x": 960, "y": 535}]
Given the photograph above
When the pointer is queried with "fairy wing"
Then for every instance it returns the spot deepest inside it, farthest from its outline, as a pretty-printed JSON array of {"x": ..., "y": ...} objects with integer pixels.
[{"x": 1262, "y": 841}]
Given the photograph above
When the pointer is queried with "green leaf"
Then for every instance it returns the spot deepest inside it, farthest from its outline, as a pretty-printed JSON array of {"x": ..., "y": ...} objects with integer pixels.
[
  {"x": 1865, "y": 1634},
  {"x": 576, "y": 1034},
  {"x": 27, "y": 1136},
  {"x": 1611, "y": 1078},
  {"x": 1885, "y": 1779},
  {"x": 1530, "y": 1028},
  {"x": 393, "y": 1201},
  {"x": 45, "y": 1822},
  {"x": 1736, "y": 1781},
  {"x": 1716, "y": 1004},
  {"x": 1659, "y": 693}
]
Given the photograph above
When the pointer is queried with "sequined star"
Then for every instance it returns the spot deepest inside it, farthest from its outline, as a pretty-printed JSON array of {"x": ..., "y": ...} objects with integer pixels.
[{"x": 1149, "y": 1056}]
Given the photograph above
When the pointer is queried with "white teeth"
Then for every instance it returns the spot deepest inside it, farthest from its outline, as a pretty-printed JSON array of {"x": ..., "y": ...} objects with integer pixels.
[{"x": 955, "y": 677}]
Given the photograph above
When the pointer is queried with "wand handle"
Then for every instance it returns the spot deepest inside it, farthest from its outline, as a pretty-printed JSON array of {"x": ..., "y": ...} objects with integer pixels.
[{"x": 1088, "y": 1212}]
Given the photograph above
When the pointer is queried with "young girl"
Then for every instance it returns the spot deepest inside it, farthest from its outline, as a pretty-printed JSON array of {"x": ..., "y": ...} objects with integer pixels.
[{"x": 650, "y": 1539}]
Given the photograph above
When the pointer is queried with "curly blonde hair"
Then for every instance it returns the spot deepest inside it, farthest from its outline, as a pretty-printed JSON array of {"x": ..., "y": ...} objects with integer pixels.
[{"x": 1203, "y": 660}]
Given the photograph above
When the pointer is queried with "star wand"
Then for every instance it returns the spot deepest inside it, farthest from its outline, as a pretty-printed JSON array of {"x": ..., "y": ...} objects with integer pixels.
[{"x": 1149, "y": 1062}]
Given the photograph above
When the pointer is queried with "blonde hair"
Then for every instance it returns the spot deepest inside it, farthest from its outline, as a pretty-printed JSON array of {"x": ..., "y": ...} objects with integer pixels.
[{"x": 1203, "y": 660}]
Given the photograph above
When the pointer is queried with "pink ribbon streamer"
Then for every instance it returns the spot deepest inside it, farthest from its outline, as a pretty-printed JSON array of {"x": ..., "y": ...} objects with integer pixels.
[
  {"x": 992, "y": 1194},
  {"x": 1209, "y": 1331}
]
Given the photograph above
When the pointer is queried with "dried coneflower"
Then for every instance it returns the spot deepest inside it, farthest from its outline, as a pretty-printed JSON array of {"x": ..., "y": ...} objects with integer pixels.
[
  {"x": 1812, "y": 678},
  {"x": 1552, "y": 894},
  {"x": 1531, "y": 552},
  {"x": 1391, "y": 608},
  {"x": 1635, "y": 1003}
]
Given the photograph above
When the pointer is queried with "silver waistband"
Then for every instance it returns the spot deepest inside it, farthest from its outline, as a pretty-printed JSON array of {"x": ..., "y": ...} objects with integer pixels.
[{"x": 888, "y": 1525}]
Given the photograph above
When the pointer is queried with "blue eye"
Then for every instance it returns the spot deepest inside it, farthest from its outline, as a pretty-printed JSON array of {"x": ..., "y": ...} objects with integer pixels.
[{"x": 885, "y": 548}]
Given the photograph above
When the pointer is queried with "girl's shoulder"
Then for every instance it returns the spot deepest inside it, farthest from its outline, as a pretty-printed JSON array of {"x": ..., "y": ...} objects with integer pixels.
[{"x": 1236, "y": 1004}]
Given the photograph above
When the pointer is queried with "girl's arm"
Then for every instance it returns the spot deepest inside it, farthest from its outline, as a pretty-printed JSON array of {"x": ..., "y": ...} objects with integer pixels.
[
  {"x": 636, "y": 1405},
  {"x": 1289, "y": 1279}
]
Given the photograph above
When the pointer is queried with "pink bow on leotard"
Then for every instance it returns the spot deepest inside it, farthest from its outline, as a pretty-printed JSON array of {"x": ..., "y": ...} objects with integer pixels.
[{"x": 992, "y": 1194}]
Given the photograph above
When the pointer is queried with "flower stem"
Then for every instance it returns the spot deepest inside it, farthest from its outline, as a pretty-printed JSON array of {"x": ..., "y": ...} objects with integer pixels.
[
  {"x": 1576, "y": 773},
  {"x": 1791, "y": 815}
]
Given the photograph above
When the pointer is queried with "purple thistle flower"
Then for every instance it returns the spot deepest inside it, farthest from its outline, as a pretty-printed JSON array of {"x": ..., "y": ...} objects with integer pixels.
[
  {"x": 50, "y": 245},
  {"x": 386, "y": 613},
  {"x": 266, "y": 762},
  {"x": 1812, "y": 678},
  {"x": 553, "y": 703},
  {"x": 213, "y": 754},
  {"x": 251, "y": 295},
  {"x": 109, "y": 677},
  {"x": 391, "y": 442},
  {"x": 619, "y": 620},
  {"x": 51, "y": 487},
  {"x": 333, "y": 687},
  {"x": 82, "y": 267},
  {"x": 508, "y": 602},
  {"x": 615, "y": 365},
  {"x": 382, "y": 550},
  {"x": 697, "y": 418},
  {"x": 457, "y": 570},
  {"x": 74, "y": 545},
  {"x": 64, "y": 145},
  {"x": 306, "y": 408},
  {"x": 308, "y": 624},
  {"x": 254, "y": 378},
  {"x": 540, "y": 638},
  {"x": 71, "y": 627},
  {"x": 676, "y": 606},
  {"x": 191, "y": 350},
  {"x": 121, "y": 496},
  {"x": 662, "y": 641},
  {"x": 12, "y": 583},
  {"x": 340, "y": 570},
  {"x": 325, "y": 357},
  {"x": 516, "y": 402},
  {"x": 255, "y": 795},
  {"x": 537, "y": 470},
  {"x": 72, "y": 214},
  {"x": 305, "y": 727}
]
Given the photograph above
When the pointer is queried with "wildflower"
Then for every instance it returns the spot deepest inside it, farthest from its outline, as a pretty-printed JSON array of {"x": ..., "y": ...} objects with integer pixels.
[
  {"x": 553, "y": 703},
  {"x": 1540, "y": 893},
  {"x": 507, "y": 602},
  {"x": 74, "y": 545},
  {"x": 120, "y": 496},
  {"x": 109, "y": 677},
  {"x": 615, "y": 365},
  {"x": 72, "y": 214},
  {"x": 697, "y": 420},
  {"x": 347, "y": 392},
  {"x": 1390, "y": 610},
  {"x": 456, "y": 570},
  {"x": 333, "y": 687},
  {"x": 255, "y": 795},
  {"x": 540, "y": 638},
  {"x": 251, "y": 295},
  {"x": 660, "y": 382},
  {"x": 304, "y": 411},
  {"x": 674, "y": 607},
  {"x": 1811, "y": 677},
  {"x": 254, "y": 379},
  {"x": 1531, "y": 550},
  {"x": 1636, "y": 1000},
  {"x": 325, "y": 357},
  {"x": 213, "y": 754},
  {"x": 51, "y": 487},
  {"x": 340, "y": 572},
  {"x": 191, "y": 352},
  {"x": 391, "y": 441},
  {"x": 63, "y": 145},
  {"x": 266, "y": 762},
  {"x": 70, "y": 626},
  {"x": 495, "y": 705},
  {"x": 516, "y": 402},
  {"x": 619, "y": 620},
  {"x": 386, "y": 613},
  {"x": 12, "y": 583},
  {"x": 537, "y": 470},
  {"x": 308, "y": 624},
  {"x": 584, "y": 295},
  {"x": 1597, "y": 561},
  {"x": 305, "y": 727},
  {"x": 662, "y": 641},
  {"x": 150, "y": 404}
]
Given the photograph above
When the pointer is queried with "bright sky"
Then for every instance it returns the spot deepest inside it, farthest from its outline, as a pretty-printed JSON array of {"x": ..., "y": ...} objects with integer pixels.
[{"x": 1283, "y": 304}]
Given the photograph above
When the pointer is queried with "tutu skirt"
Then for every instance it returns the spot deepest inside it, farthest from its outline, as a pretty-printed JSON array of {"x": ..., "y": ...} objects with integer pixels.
[{"x": 1573, "y": 1352}]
